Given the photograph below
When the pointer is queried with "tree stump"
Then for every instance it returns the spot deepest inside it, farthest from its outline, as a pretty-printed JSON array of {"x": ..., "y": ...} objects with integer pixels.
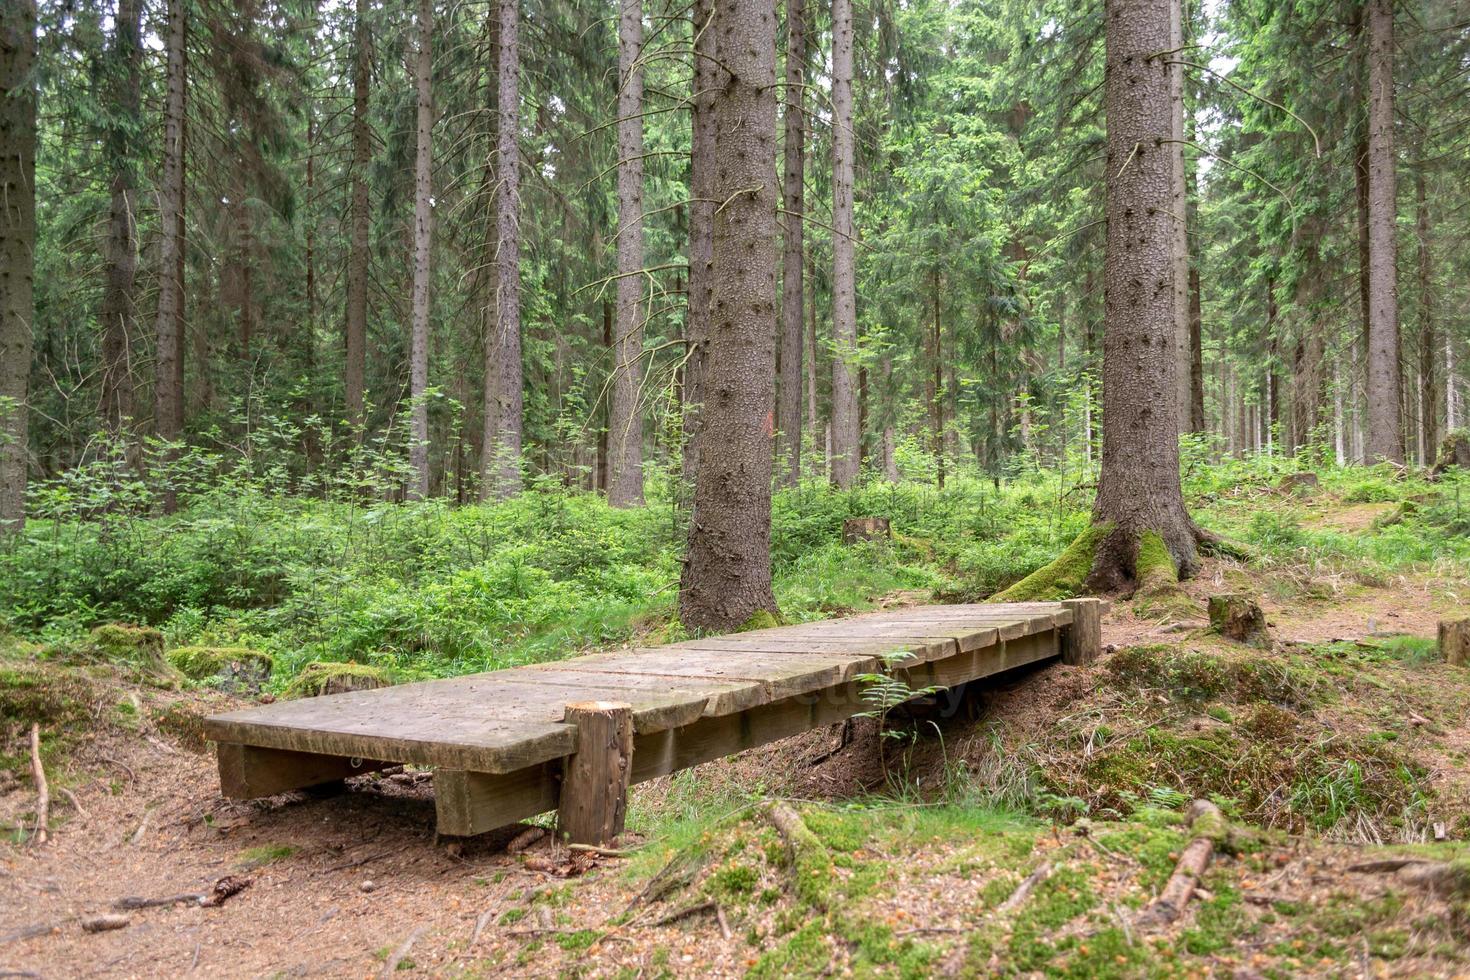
[
  {"x": 1236, "y": 616},
  {"x": 856, "y": 529},
  {"x": 1294, "y": 482},
  {"x": 1082, "y": 641},
  {"x": 1454, "y": 451},
  {"x": 1454, "y": 641},
  {"x": 594, "y": 789}
]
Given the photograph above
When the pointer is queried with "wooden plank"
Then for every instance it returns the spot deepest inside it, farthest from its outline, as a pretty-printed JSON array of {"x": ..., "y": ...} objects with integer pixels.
[
  {"x": 658, "y": 702},
  {"x": 468, "y": 803},
  {"x": 247, "y": 771}
]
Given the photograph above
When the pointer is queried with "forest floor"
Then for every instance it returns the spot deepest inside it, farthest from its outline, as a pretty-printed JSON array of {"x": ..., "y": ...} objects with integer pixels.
[{"x": 1342, "y": 745}]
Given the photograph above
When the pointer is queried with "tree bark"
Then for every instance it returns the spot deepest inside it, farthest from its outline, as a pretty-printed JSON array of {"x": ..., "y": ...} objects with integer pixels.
[
  {"x": 845, "y": 434},
  {"x": 418, "y": 365},
  {"x": 168, "y": 401},
  {"x": 709, "y": 77},
  {"x": 119, "y": 300},
  {"x": 727, "y": 572},
  {"x": 1385, "y": 435},
  {"x": 1428, "y": 342},
  {"x": 17, "y": 250},
  {"x": 504, "y": 381},
  {"x": 1179, "y": 207},
  {"x": 354, "y": 370},
  {"x": 625, "y": 421},
  {"x": 1139, "y": 488},
  {"x": 1196, "y": 354},
  {"x": 788, "y": 408}
]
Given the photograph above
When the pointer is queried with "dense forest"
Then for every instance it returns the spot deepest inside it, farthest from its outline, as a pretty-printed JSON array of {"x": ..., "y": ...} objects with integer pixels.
[{"x": 355, "y": 347}]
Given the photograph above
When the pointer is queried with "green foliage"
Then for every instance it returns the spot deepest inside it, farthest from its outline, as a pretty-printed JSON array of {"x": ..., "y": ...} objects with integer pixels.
[{"x": 202, "y": 663}]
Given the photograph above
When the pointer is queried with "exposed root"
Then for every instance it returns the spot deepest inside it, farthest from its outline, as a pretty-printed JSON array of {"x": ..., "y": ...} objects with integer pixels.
[{"x": 811, "y": 864}]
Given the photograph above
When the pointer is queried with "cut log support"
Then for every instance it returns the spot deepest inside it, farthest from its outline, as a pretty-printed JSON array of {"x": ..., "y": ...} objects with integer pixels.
[
  {"x": 1454, "y": 641},
  {"x": 1082, "y": 641},
  {"x": 594, "y": 791}
]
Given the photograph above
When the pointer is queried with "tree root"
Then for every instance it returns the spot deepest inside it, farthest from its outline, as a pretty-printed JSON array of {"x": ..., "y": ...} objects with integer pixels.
[
  {"x": 811, "y": 864},
  {"x": 1210, "y": 543}
]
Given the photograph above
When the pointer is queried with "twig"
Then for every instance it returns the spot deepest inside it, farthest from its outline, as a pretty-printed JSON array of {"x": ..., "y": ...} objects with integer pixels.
[
  {"x": 76, "y": 804},
  {"x": 724, "y": 926},
  {"x": 684, "y": 913},
  {"x": 121, "y": 765},
  {"x": 391, "y": 966},
  {"x": 1024, "y": 890},
  {"x": 29, "y": 932},
  {"x": 354, "y": 864},
  {"x": 43, "y": 791},
  {"x": 608, "y": 852},
  {"x": 138, "y": 834},
  {"x": 481, "y": 922},
  {"x": 132, "y": 902}
]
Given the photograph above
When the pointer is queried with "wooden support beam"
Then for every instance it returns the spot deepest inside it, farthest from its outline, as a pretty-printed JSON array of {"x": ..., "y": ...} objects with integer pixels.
[
  {"x": 248, "y": 771},
  {"x": 1082, "y": 641},
  {"x": 469, "y": 803},
  {"x": 594, "y": 791}
]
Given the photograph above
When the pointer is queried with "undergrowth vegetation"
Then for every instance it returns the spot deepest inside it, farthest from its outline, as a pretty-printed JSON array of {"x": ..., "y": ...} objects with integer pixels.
[{"x": 431, "y": 589}]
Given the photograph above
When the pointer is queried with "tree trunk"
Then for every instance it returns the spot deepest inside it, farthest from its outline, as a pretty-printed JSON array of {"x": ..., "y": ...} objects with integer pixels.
[
  {"x": 1428, "y": 344},
  {"x": 788, "y": 409},
  {"x": 812, "y": 417},
  {"x": 168, "y": 388},
  {"x": 1139, "y": 489},
  {"x": 936, "y": 394},
  {"x": 1385, "y": 436},
  {"x": 1178, "y": 208},
  {"x": 504, "y": 383},
  {"x": 354, "y": 370},
  {"x": 708, "y": 79},
  {"x": 118, "y": 311},
  {"x": 625, "y": 421},
  {"x": 727, "y": 572},
  {"x": 890, "y": 437},
  {"x": 17, "y": 250},
  {"x": 845, "y": 435},
  {"x": 1196, "y": 355},
  {"x": 418, "y": 364}
]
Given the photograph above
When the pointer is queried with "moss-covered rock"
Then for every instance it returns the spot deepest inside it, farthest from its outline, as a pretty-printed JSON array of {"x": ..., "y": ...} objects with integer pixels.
[
  {"x": 328, "y": 677},
  {"x": 228, "y": 668},
  {"x": 1065, "y": 577},
  {"x": 141, "y": 646}
]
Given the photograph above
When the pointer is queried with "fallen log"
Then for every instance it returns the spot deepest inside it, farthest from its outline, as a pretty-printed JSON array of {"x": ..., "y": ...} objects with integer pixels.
[{"x": 1206, "y": 819}]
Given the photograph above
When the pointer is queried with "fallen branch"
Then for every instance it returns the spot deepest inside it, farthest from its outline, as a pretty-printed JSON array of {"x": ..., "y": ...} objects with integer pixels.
[
  {"x": 724, "y": 925},
  {"x": 131, "y": 903},
  {"x": 684, "y": 913},
  {"x": 1024, "y": 890},
  {"x": 43, "y": 791},
  {"x": 1182, "y": 884},
  {"x": 391, "y": 966},
  {"x": 811, "y": 865},
  {"x": 607, "y": 852},
  {"x": 76, "y": 804},
  {"x": 29, "y": 932}
]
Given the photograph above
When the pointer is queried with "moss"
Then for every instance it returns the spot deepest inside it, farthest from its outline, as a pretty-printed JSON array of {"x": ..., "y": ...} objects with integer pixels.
[
  {"x": 229, "y": 668},
  {"x": 256, "y": 857},
  {"x": 140, "y": 647},
  {"x": 761, "y": 619},
  {"x": 326, "y": 677},
  {"x": 1066, "y": 576},
  {"x": 1154, "y": 566},
  {"x": 183, "y": 722}
]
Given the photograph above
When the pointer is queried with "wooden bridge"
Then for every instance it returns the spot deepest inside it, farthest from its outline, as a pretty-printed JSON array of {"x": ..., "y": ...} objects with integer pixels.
[{"x": 575, "y": 733}]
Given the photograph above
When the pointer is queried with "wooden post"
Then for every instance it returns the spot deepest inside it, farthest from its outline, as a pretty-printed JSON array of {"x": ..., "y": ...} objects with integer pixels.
[
  {"x": 1082, "y": 641},
  {"x": 1454, "y": 641},
  {"x": 594, "y": 789}
]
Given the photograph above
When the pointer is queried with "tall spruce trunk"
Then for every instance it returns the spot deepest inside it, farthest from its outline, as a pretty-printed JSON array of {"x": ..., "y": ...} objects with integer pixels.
[
  {"x": 118, "y": 310},
  {"x": 17, "y": 250},
  {"x": 1428, "y": 342},
  {"x": 504, "y": 377},
  {"x": 845, "y": 435},
  {"x": 625, "y": 420},
  {"x": 1139, "y": 488},
  {"x": 1385, "y": 432},
  {"x": 788, "y": 406},
  {"x": 168, "y": 395},
  {"x": 1178, "y": 208},
  {"x": 418, "y": 361},
  {"x": 727, "y": 572},
  {"x": 708, "y": 78},
  {"x": 355, "y": 368}
]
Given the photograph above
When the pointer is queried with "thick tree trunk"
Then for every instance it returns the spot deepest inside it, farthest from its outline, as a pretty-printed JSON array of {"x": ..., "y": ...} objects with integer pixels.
[
  {"x": 1385, "y": 436},
  {"x": 813, "y": 419},
  {"x": 845, "y": 434},
  {"x": 418, "y": 363},
  {"x": 354, "y": 370},
  {"x": 1196, "y": 355},
  {"x": 1178, "y": 208},
  {"x": 17, "y": 250},
  {"x": 118, "y": 311},
  {"x": 1428, "y": 342},
  {"x": 504, "y": 383},
  {"x": 168, "y": 387},
  {"x": 625, "y": 421},
  {"x": 727, "y": 573},
  {"x": 709, "y": 78},
  {"x": 788, "y": 408},
  {"x": 1139, "y": 489}
]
